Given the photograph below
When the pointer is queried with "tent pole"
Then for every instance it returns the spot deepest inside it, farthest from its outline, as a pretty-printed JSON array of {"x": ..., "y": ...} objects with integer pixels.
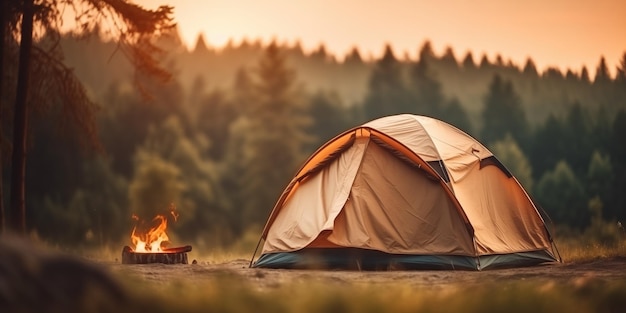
[
  {"x": 545, "y": 226},
  {"x": 255, "y": 250},
  {"x": 555, "y": 248}
]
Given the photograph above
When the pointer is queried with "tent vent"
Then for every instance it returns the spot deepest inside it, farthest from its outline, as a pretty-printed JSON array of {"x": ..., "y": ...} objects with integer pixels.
[
  {"x": 438, "y": 167},
  {"x": 492, "y": 160}
]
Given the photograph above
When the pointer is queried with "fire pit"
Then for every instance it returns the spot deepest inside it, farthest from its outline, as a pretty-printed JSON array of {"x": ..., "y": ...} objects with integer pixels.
[
  {"x": 166, "y": 256},
  {"x": 148, "y": 243}
]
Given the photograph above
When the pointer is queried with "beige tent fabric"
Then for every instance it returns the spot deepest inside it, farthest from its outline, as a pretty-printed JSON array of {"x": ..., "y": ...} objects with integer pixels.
[
  {"x": 369, "y": 198},
  {"x": 396, "y": 209},
  {"x": 407, "y": 130},
  {"x": 405, "y": 213},
  {"x": 312, "y": 208},
  {"x": 430, "y": 138},
  {"x": 503, "y": 217}
]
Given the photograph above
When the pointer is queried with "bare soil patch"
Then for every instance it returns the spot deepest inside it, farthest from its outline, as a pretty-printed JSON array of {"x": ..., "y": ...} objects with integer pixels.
[{"x": 609, "y": 269}]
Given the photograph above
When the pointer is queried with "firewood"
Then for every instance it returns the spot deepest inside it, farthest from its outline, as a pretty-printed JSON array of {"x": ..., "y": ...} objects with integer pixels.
[
  {"x": 168, "y": 256},
  {"x": 178, "y": 249}
]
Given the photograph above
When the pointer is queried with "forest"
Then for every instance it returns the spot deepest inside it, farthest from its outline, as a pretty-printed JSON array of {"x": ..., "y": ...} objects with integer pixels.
[{"x": 221, "y": 139}]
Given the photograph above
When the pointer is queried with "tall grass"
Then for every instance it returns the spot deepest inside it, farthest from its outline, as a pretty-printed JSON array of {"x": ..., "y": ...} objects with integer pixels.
[
  {"x": 602, "y": 239},
  {"x": 581, "y": 251}
]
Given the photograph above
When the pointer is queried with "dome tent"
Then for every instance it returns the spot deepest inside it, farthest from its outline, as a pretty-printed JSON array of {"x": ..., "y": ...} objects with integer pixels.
[{"x": 404, "y": 191}]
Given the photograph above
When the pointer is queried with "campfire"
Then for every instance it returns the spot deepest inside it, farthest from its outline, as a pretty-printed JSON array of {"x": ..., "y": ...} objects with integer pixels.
[{"x": 149, "y": 243}]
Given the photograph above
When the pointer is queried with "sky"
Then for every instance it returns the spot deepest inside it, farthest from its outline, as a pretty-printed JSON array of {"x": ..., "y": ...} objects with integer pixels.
[{"x": 566, "y": 34}]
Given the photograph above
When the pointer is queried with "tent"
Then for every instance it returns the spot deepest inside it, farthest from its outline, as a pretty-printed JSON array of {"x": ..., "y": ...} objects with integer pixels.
[{"x": 405, "y": 192}]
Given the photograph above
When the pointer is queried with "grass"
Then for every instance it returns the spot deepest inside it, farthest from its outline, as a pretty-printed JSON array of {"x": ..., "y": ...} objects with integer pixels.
[
  {"x": 225, "y": 292},
  {"x": 232, "y": 294},
  {"x": 600, "y": 240},
  {"x": 573, "y": 251}
]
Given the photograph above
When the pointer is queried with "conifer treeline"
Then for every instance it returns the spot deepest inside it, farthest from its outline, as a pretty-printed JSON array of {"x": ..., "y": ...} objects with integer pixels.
[{"x": 223, "y": 138}]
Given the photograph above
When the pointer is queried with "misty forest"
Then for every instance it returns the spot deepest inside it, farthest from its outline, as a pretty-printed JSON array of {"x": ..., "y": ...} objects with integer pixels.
[{"x": 221, "y": 138}]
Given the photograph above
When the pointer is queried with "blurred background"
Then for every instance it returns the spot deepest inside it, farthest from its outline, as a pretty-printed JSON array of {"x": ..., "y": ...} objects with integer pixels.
[{"x": 224, "y": 135}]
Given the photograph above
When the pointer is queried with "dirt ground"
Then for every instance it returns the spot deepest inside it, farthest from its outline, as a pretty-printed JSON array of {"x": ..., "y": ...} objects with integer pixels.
[{"x": 611, "y": 269}]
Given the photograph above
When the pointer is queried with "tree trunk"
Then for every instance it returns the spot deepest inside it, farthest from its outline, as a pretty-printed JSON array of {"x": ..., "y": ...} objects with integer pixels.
[
  {"x": 4, "y": 20},
  {"x": 20, "y": 124}
]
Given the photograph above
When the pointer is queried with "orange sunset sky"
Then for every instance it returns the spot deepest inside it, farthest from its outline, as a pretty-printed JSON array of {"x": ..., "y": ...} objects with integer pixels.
[{"x": 561, "y": 33}]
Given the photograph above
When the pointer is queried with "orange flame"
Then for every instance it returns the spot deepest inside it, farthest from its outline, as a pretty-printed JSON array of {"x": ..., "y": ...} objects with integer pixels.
[{"x": 152, "y": 240}]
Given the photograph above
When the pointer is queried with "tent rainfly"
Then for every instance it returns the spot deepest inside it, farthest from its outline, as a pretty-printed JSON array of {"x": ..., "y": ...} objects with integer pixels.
[{"x": 404, "y": 192}]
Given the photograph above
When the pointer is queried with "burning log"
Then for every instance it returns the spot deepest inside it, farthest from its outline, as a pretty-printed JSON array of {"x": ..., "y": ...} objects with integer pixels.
[
  {"x": 148, "y": 245},
  {"x": 176, "y": 255}
]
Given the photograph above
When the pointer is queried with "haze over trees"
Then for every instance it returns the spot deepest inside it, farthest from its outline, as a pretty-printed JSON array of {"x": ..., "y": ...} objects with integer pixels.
[
  {"x": 224, "y": 136},
  {"x": 46, "y": 88}
]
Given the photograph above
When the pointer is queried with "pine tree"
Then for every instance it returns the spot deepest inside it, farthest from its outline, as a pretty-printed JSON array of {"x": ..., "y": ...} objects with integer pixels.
[
  {"x": 215, "y": 115},
  {"x": 273, "y": 138},
  {"x": 617, "y": 155},
  {"x": 562, "y": 195},
  {"x": 243, "y": 91},
  {"x": 387, "y": 93},
  {"x": 329, "y": 118},
  {"x": 454, "y": 113},
  {"x": 584, "y": 75},
  {"x": 548, "y": 146},
  {"x": 354, "y": 57},
  {"x": 578, "y": 143},
  {"x": 425, "y": 89},
  {"x": 620, "y": 77},
  {"x": 602, "y": 73},
  {"x": 503, "y": 113},
  {"x": 468, "y": 61},
  {"x": 530, "y": 70},
  {"x": 448, "y": 59},
  {"x": 484, "y": 62},
  {"x": 510, "y": 154},
  {"x": 571, "y": 76},
  {"x": 499, "y": 61},
  {"x": 426, "y": 52},
  {"x": 619, "y": 84},
  {"x": 599, "y": 181},
  {"x": 201, "y": 47},
  {"x": 321, "y": 55}
]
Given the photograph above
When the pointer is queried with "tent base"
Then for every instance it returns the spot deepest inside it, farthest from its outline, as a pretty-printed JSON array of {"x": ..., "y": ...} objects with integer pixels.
[{"x": 362, "y": 259}]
